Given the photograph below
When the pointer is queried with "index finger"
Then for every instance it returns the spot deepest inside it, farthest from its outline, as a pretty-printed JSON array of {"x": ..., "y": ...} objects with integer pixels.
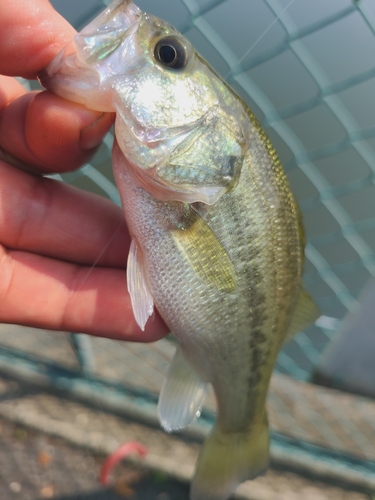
[
  {"x": 31, "y": 34},
  {"x": 40, "y": 133}
]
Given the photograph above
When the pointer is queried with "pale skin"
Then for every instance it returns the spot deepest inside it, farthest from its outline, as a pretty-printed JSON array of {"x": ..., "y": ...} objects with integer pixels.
[{"x": 52, "y": 234}]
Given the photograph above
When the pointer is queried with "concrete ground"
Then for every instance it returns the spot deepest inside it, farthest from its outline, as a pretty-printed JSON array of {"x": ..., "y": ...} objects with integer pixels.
[
  {"x": 53, "y": 447},
  {"x": 35, "y": 466},
  {"x": 338, "y": 421}
]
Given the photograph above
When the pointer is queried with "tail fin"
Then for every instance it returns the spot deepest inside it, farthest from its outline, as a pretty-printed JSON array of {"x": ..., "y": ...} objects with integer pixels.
[{"x": 228, "y": 459}]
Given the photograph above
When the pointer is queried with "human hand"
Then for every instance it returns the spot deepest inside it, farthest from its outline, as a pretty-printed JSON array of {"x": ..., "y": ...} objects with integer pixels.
[{"x": 51, "y": 234}]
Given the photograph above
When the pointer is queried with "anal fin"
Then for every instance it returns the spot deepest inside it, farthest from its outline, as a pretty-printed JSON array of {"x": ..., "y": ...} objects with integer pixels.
[
  {"x": 181, "y": 396},
  {"x": 140, "y": 295}
]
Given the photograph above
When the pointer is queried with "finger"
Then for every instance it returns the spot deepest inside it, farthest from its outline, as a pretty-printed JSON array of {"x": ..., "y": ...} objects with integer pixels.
[
  {"x": 31, "y": 34},
  {"x": 44, "y": 131},
  {"x": 50, "y": 133},
  {"x": 51, "y": 218},
  {"x": 45, "y": 293},
  {"x": 10, "y": 89}
]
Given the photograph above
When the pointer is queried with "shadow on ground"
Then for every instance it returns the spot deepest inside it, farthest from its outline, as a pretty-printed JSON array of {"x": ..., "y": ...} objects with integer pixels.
[
  {"x": 145, "y": 490},
  {"x": 148, "y": 488},
  {"x": 34, "y": 466}
]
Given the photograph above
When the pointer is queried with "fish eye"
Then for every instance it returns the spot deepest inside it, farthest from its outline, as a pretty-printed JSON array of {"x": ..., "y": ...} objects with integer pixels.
[{"x": 171, "y": 52}]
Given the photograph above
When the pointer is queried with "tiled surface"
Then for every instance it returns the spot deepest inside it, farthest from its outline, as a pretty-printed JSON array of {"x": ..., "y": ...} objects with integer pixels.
[{"x": 329, "y": 418}]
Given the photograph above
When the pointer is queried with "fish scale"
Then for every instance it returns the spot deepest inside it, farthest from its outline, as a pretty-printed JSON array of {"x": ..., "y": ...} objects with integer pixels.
[{"x": 217, "y": 241}]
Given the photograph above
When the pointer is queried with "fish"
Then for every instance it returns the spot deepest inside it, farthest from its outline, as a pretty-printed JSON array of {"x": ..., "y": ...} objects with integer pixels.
[{"x": 217, "y": 240}]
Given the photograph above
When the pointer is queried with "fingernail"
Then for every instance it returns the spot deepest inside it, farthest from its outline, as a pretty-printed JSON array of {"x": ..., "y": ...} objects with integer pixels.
[{"x": 92, "y": 135}]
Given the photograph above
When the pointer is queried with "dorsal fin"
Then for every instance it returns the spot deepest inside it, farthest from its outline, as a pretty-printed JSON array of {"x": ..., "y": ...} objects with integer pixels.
[{"x": 305, "y": 313}]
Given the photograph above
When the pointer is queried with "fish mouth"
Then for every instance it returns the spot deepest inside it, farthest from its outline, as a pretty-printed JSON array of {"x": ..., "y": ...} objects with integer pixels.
[
  {"x": 92, "y": 57},
  {"x": 100, "y": 38}
]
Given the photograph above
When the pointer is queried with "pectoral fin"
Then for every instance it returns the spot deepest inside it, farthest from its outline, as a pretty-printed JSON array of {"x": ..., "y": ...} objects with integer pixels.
[
  {"x": 207, "y": 256},
  {"x": 305, "y": 313},
  {"x": 140, "y": 295},
  {"x": 181, "y": 396}
]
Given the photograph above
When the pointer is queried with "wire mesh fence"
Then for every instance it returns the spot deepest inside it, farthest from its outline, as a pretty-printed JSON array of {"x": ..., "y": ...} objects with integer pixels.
[{"x": 307, "y": 70}]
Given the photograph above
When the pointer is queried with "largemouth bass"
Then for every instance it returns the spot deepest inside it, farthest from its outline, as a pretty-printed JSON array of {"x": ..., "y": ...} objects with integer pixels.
[{"x": 217, "y": 239}]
